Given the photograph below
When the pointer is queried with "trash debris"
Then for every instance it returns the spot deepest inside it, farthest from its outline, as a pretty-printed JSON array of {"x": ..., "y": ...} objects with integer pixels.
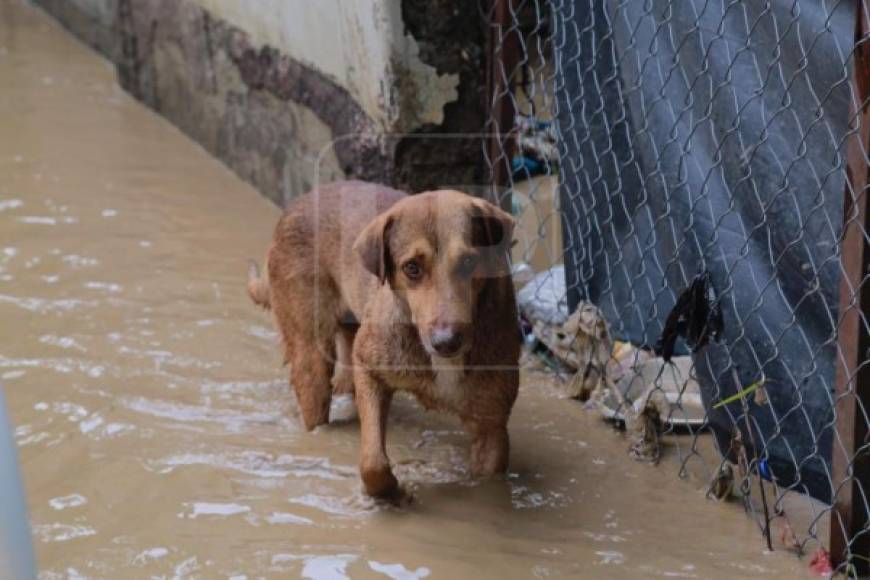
[
  {"x": 538, "y": 357},
  {"x": 581, "y": 341},
  {"x": 543, "y": 305},
  {"x": 585, "y": 343},
  {"x": 626, "y": 358},
  {"x": 618, "y": 378},
  {"x": 697, "y": 316},
  {"x": 644, "y": 434},
  {"x": 670, "y": 386},
  {"x": 522, "y": 167},
  {"x": 755, "y": 387},
  {"x": 761, "y": 393},
  {"x": 764, "y": 469},
  {"x": 821, "y": 563},
  {"x": 787, "y": 537},
  {"x": 537, "y": 152},
  {"x": 543, "y": 300},
  {"x": 522, "y": 274},
  {"x": 722, "y": 485}
]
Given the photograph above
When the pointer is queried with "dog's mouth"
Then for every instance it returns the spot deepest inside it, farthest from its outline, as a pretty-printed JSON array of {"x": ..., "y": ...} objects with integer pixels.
[{"x": 446, "y": 357}]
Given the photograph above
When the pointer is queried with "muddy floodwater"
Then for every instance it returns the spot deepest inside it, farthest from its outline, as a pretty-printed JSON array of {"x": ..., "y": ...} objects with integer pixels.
[{"x": 157, "y": 431}]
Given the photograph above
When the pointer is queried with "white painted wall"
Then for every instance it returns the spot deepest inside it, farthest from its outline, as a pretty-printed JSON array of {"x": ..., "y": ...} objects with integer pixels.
[{"x": 360, "y": 44}]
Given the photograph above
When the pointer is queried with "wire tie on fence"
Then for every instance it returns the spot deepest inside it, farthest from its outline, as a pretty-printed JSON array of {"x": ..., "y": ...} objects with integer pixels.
[{"x": 741, "y": 394}]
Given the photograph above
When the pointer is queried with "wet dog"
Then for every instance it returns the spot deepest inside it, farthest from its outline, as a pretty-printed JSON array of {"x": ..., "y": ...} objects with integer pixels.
[{"x": 381, "y": 292}]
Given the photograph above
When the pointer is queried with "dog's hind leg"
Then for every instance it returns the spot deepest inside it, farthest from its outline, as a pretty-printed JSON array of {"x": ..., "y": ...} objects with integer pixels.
[
  {"x": 311, "y": 367},
  {"x": 303, "y": 306}
]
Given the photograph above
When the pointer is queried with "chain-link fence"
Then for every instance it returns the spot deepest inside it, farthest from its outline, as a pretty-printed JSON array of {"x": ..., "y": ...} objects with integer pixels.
[{"x": 683, "y": 170}]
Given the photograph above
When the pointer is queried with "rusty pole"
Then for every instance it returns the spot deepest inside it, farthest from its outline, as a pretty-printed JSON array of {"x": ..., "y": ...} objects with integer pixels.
[
  {"x": 850, "y": 518},
  {"x": 503, "y": 45}
]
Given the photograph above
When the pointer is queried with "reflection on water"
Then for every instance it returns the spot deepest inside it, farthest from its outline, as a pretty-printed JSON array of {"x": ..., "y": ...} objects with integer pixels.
[{"x": 157, "y": 431}]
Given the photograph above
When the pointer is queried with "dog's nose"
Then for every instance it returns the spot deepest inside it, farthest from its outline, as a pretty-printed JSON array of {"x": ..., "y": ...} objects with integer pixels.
[{"x": 446, "y": 341}]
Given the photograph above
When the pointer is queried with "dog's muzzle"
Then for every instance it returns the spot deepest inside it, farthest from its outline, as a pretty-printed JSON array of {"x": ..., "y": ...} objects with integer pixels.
[{"x": 447, "y": 342}]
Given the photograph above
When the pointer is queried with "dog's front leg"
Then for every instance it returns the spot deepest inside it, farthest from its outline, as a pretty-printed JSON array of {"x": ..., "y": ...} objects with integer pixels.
[
  {"x": 373, "y": 405},
  {"x": 490, "y": 447}
]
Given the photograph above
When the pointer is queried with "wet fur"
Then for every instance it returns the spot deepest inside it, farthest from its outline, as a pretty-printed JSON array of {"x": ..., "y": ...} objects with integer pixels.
[{"x": 345, "y": 313}]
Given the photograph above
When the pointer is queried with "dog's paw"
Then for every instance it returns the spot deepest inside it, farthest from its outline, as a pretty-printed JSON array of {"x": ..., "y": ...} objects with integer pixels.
[
  {"x": 380, "y": 483},
  {"x": 402, "y": 498}
]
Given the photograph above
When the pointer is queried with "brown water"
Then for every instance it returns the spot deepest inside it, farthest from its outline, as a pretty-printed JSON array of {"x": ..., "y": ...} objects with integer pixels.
[{"x": 158, "y": 434}]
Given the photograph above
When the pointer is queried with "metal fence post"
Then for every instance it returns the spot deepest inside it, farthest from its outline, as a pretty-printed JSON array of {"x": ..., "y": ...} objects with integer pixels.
[
  {"x": 850, "y": 522},
  {"x": 504, "y": 49}
]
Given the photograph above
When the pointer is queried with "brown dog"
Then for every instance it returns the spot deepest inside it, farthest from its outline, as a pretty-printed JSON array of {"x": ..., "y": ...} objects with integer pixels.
[{"x": 416, "y": 292}]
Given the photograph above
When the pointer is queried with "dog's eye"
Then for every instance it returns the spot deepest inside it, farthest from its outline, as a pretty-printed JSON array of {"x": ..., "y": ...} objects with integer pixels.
[
  {"x": 467, "y": 265},
  {"x": 412, "y": 270}
]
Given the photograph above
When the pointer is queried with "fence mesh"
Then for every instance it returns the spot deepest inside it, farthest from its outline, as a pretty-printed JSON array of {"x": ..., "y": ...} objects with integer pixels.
[{"x": 683, "y": 170}]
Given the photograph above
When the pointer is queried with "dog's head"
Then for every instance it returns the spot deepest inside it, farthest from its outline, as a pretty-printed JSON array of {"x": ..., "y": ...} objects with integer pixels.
[{"x": 438, "y": 251}]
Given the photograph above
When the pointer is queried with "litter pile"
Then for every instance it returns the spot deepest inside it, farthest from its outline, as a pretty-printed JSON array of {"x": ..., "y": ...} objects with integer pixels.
[
  {"x": 626, "y": 384},
  {"x": 536, "y": 149}
]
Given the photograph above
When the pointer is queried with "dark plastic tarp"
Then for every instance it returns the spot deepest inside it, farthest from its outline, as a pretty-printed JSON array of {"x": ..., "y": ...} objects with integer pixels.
[{"x": 708, "y": 136}]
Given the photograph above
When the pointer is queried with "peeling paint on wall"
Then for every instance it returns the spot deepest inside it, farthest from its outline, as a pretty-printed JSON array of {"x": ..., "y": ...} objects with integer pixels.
[
  {"x": 450, "y": 36},
  {"x": 362, "y": 46},
  {"x": 277, "y": 122}
]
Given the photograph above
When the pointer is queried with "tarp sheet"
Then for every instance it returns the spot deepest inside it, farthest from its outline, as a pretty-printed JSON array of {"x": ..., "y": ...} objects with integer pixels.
[{"x": 706, "y": 136}]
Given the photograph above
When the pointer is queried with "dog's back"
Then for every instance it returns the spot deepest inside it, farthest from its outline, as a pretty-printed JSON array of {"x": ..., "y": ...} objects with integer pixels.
[{"x": 313, "y": 243}]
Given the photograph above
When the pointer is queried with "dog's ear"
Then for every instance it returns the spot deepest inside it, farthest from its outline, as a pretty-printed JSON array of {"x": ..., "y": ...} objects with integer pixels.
[
  {"x": 492, "y": 230},
  {"x": 491, "y": 227},
  {"x": 373, "y": 247}
]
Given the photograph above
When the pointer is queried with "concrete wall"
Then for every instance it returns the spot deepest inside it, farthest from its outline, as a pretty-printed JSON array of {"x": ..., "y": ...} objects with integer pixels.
[
  {"x": 290, "y": 92},
  {"x": 361, "y": 45}
]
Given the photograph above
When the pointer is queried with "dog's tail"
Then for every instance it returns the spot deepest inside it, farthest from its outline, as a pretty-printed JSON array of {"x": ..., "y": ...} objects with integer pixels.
[{"x": 258, "y": 286}]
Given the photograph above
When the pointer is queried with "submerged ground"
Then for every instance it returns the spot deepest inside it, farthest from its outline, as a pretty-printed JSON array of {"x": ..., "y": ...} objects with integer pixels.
[{"x": 158, "y": 434}]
